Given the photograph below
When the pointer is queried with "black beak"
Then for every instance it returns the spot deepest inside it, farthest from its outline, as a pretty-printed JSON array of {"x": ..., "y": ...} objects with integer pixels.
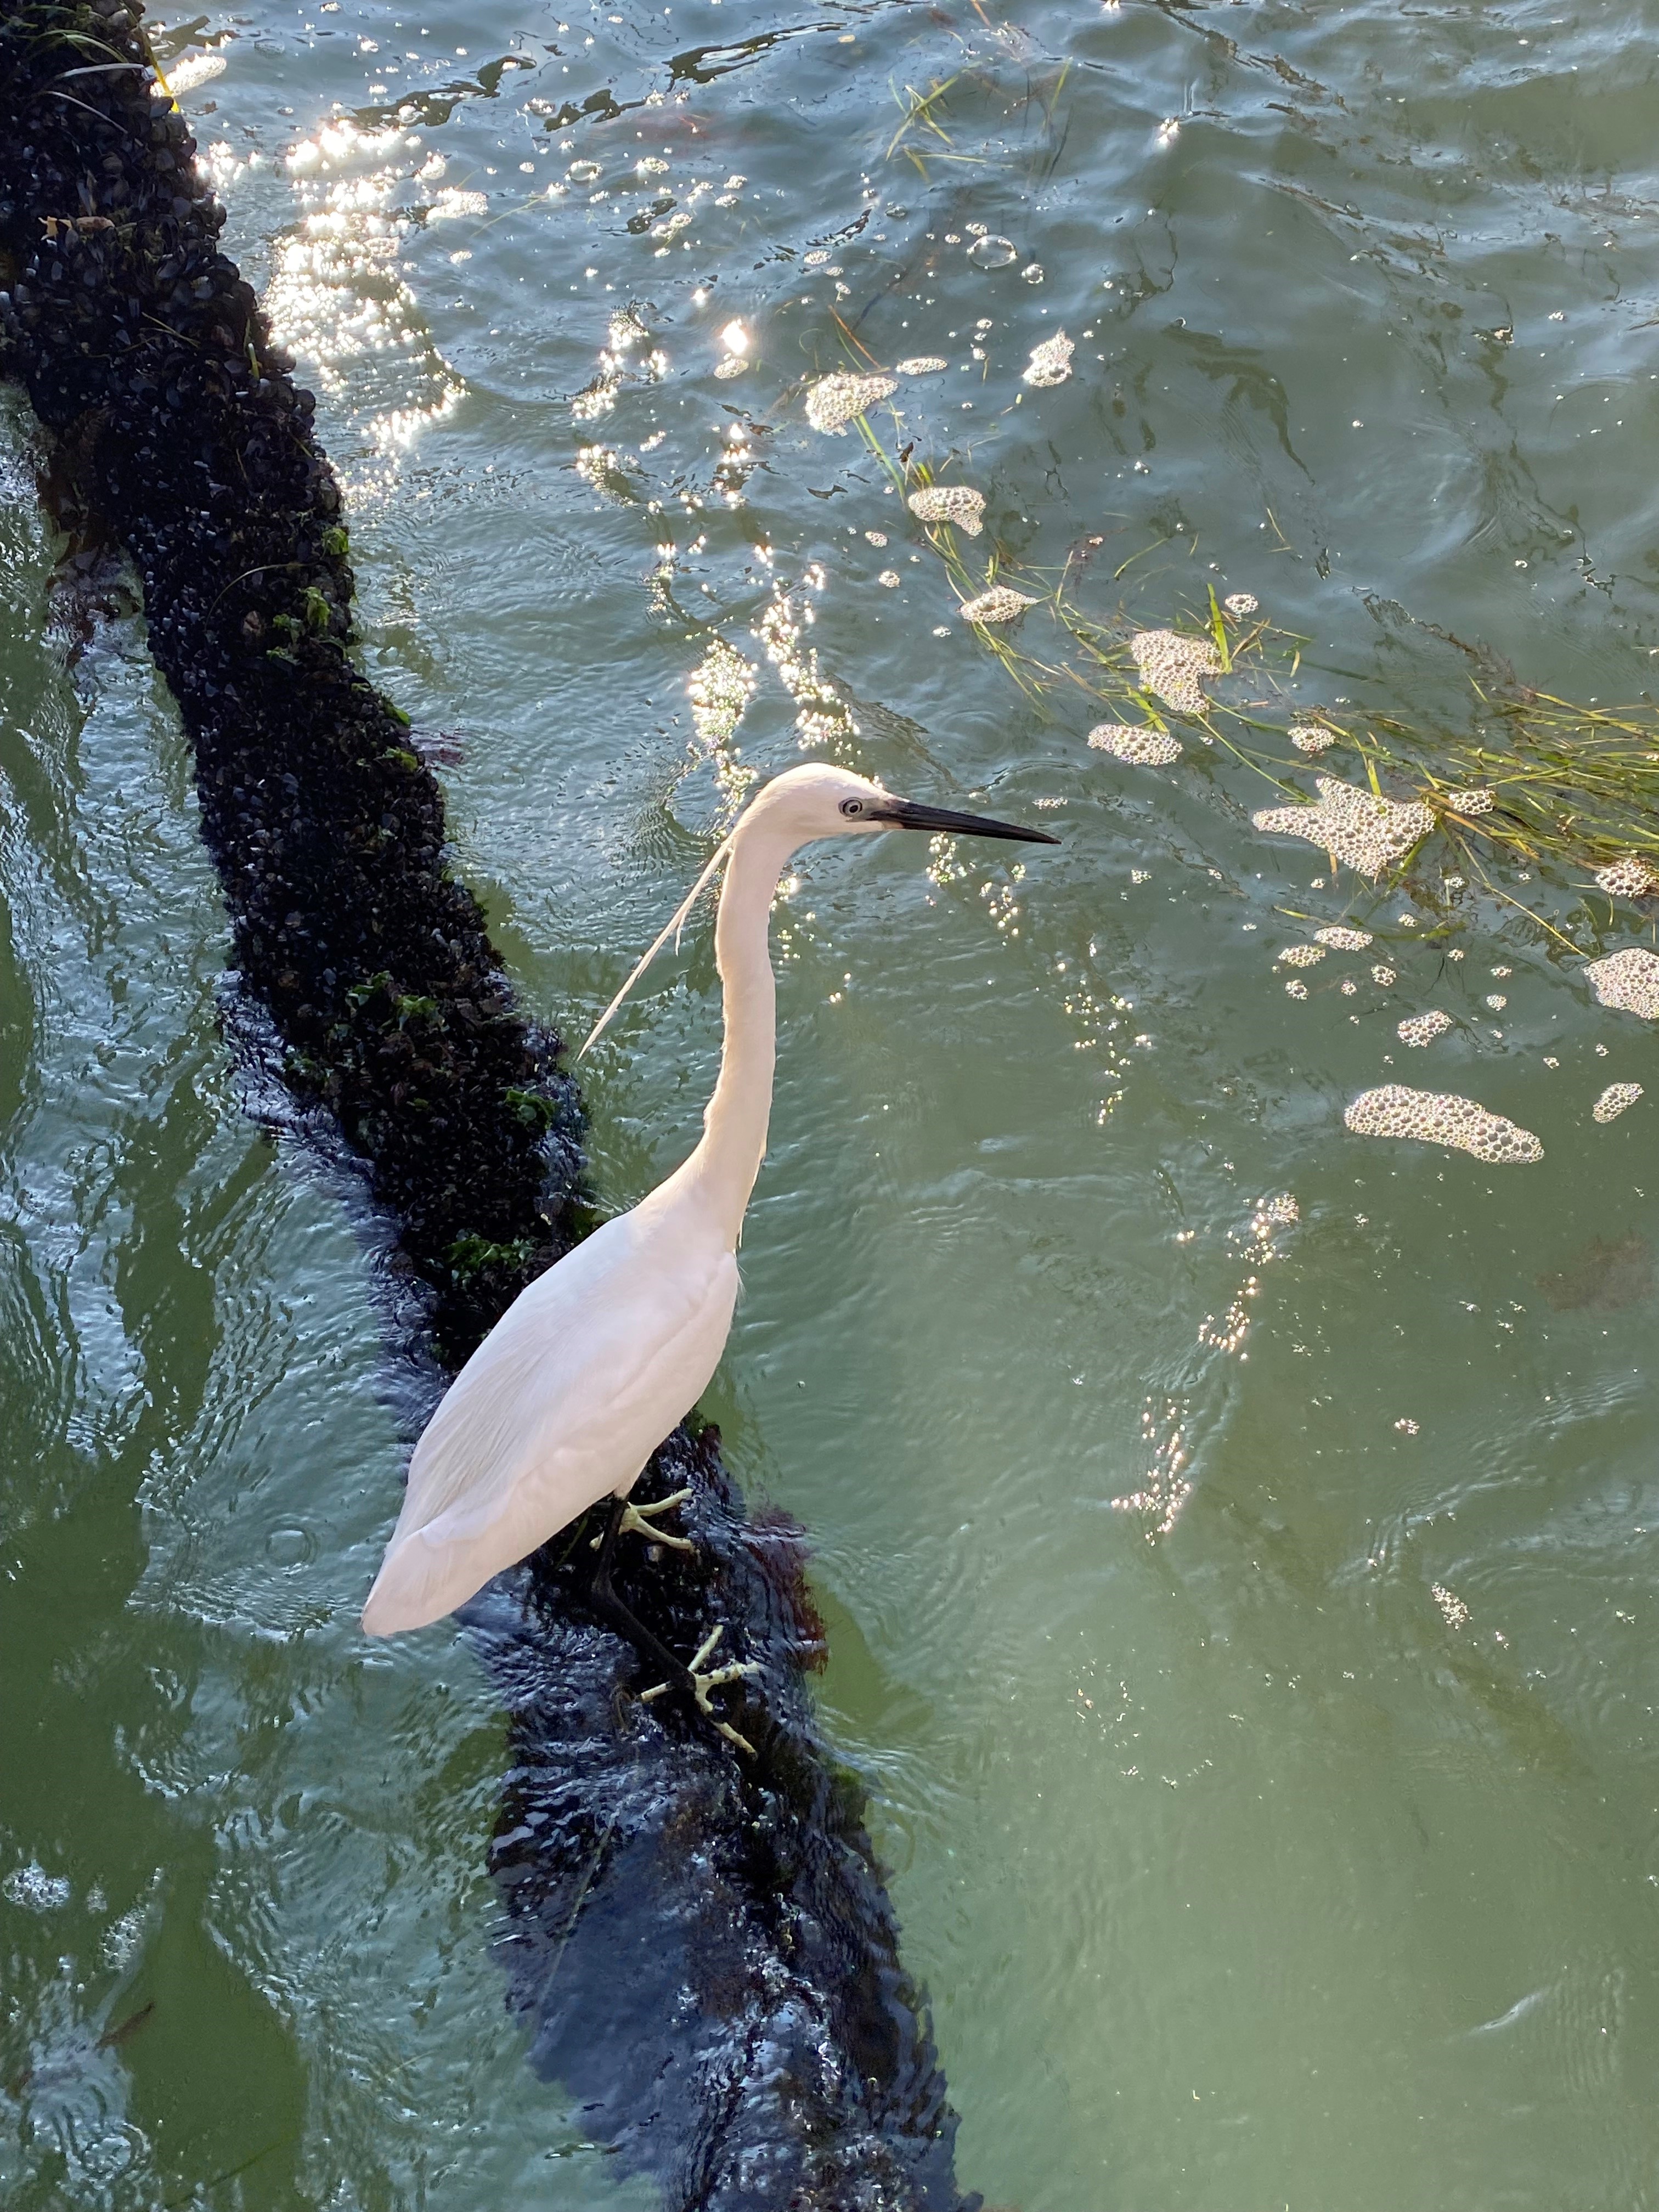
[{"x": 905, "y": 814}]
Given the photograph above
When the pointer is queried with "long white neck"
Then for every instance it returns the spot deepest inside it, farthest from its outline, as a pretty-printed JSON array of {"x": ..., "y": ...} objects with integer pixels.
[{"x": 728, "y": 1159}]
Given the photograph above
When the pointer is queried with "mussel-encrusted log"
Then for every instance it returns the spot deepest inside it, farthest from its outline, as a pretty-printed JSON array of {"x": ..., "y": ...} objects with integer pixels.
[{"x": 700, "y": 1943}]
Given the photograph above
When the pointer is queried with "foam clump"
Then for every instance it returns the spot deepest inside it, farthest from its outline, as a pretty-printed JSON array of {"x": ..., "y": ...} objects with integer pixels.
[
  {"x": 1368, "y": 832},
  {"x": 720, "y": 687},
  {"x": 1140, "y": 748},
  {"x": 1311, "y": 736},
  {"x": 1424, "y": 1028},
  {"x": 1630, "y": 877},
  {"x": 1441, "y": 1117},
  {"x": 1001, "y": 604},
  {"x": 1614, "y": 1100},
  {"x": 1170, "y": 665},
  {"x": 922, "y": 364},
  {"x": 955, "y": 503},
  {"x": 836, "y": 400},
  {"x": 1301, "y": 955},
  {"x": 1240, "y": 603},
  {"x": 1481, "y": 800},
  {"x": 1628, "y": 981},
  {"x": 1051, "y": 361},
  {"x": 1343, "y": 940}
]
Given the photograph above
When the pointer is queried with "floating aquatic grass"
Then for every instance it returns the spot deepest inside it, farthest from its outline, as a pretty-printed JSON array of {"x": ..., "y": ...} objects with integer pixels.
[{"x": 1534, "y": 779}]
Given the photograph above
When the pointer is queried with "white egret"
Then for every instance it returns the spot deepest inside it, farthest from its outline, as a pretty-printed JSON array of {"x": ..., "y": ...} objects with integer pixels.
[{"x": 592, "y": 1366}]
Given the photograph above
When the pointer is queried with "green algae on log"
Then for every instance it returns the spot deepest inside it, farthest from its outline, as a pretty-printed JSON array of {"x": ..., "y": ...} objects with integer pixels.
[{"x": 700, "y": 1943}]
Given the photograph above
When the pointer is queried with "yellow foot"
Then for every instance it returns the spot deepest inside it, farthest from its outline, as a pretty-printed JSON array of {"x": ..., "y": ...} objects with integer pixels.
[
  {"x": 702, "y": 1684},
  {"x": 639, "y": 1521}
]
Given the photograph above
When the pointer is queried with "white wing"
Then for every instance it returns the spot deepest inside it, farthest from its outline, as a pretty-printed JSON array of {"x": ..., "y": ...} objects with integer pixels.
[{"x": 565, "y": 1399}]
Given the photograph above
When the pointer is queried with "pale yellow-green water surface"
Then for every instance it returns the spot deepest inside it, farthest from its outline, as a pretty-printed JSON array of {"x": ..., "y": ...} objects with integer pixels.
[{"x": 1236, "y": 1533}]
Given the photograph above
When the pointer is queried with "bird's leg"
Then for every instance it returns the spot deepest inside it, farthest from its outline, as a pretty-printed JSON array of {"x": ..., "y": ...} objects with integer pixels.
[
  {"x": 604, "y": 1601},
  {"x": 639, "y": 1521},
  {"x": 702, "y": 1684}
]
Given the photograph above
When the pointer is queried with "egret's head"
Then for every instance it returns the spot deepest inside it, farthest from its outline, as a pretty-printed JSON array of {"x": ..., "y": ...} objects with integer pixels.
[{"x": 819, "y": 800}]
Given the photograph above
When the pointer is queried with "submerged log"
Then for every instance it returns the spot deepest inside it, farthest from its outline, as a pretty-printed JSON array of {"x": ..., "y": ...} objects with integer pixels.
[{"x": 699, "y": 1943}]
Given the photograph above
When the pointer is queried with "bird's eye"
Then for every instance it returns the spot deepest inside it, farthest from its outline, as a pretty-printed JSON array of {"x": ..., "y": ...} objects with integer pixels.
[{"x": 852, "y": 806}]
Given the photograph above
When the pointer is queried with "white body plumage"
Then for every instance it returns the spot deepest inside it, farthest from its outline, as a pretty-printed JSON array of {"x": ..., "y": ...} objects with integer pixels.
[{"x": 593, "y": 1364}]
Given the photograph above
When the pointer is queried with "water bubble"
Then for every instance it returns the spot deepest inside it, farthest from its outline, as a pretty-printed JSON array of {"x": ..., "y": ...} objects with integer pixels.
[
  {"x": 1368, "y": 832},
  {"x": 36, "y": 1890},
  {"x": 1630, "y": 877},
  {"x": 955, "y": 503},
  {"x": 1170, "y": 665},
  {"x": 584, "y": 172},
  {"x": 1051, "y": 361},
  {"x": 992, "y": 252},
  {"x": 1441, "y": 1117},
  {"x": 1344, "y": 939},
  {"x": 1140, "y": 748},
  {"x": 1628, "y": 981},
  {"x": 999, "y": 604},
  {"x": 1614, "y": 1100},
  {"x": 1032, "y": 272},
  {"x": 835, "y": 400}
]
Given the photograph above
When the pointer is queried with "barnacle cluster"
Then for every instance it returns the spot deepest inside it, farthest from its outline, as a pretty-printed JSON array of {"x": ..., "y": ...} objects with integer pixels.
[
  {"x": 1141, "y": 748},
  {"x": 1441, "y": 1117},
  {"x": 958, "y": 503},
  {"x": 1424, "y": 1028},
  {"x": 1001, "y": 604},
  {"x": 1614, "y": 1100},
  {"x": 838, "y": 399},
  {"x": 1169, "y": 664},
  {"x": 1628, "y": 981},
  {"x": 1369, "y": 833}
]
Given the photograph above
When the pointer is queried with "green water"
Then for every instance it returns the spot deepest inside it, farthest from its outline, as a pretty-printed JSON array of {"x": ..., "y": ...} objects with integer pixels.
[{"x": 1287, "y": 1839}]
